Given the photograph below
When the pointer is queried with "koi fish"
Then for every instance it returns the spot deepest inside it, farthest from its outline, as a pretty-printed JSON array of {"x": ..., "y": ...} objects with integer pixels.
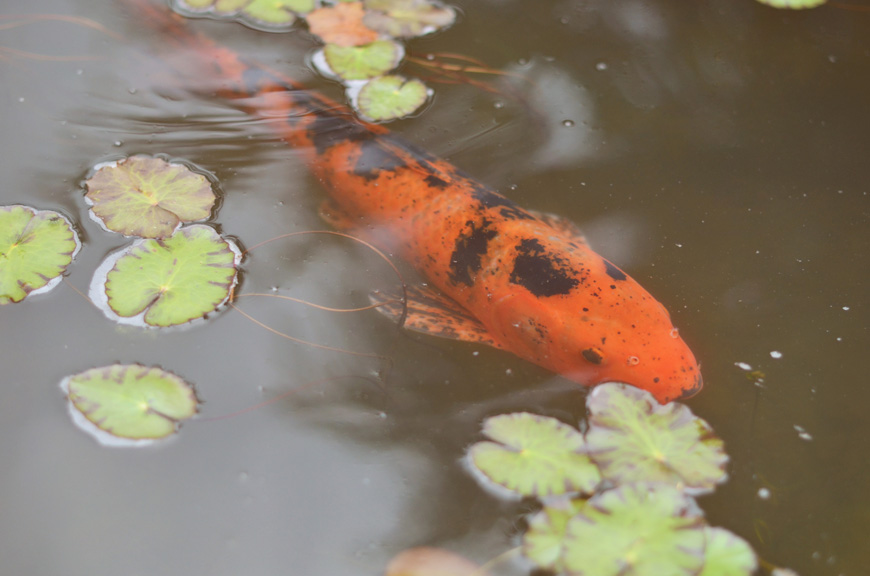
[{"x": 498, "y": 274}]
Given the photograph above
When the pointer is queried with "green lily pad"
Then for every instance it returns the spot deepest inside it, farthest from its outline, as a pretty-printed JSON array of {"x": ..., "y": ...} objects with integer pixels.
[
  {"x": 216, "y": 7},
  {"x": 727, "y": 555},
  {"x": 147, "y": 197},
  {"x": 36, "y": 246},
  {"x": 362, "y": 62},
  {"x": 639, "y": 529},
  {"x": 274, "y": 15},
  {"x": 534, "y": 456},
  {"x": 167, "y": 282},
  {"x": 390, "y": 97},
  {"x": 633, "y": 438},
  {"x": 129, "y": 404},
  {"x": 544, "y": 541},
  {"x": 793, "y": 4},
  {"x": 407, "y": 18}
]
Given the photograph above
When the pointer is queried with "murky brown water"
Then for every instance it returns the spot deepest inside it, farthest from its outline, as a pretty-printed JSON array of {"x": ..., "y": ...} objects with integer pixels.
[{"x": 718, "y": 153}]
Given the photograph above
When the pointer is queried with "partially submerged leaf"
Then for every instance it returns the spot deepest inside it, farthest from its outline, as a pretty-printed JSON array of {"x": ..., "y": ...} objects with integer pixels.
[
  {"x": 639, "y": 529},
  {"x": 544, "y": 542},
  {"x": 727, "y": 555},
  {"x": 427, "y": 561},
  {"x": 36, "y": 246},
  {"x": 632, "y": 438},
  {"x": 407, "y": 18},
  {"x": 534, "y": 456},
  {"x": 363, "y": 62},
  {"x": 391, "y": 97},
  {"x": 341, "y": 24},
  {"x": 128, "y": 404},
  {"x": 793, "y": 4},
  {"x": 147, "y": 197},
  {"x": 167, "y": 282}
]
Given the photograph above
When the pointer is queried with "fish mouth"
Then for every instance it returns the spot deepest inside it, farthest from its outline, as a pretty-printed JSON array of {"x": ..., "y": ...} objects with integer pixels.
[{"x": 689, "y": 392}]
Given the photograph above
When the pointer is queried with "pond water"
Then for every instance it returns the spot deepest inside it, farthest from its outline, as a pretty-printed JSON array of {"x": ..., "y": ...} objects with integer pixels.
[{"x": 716, "y": 150}]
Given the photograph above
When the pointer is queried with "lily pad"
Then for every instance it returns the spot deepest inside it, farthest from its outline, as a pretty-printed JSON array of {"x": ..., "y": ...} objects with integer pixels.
[
  {"x": 129, "y": 404},
  {"x": 147, "y": 197},
  {"x": 793, "y": 4},
  {"x": 341, "y": 24},
  {"x": 273, "y": 15},
  {"x": 727, "y": 555},
  {"x": 534, "y": 456},
  {"x": 167, "y": 282},
  {"x": 638, "y": 529},
  {"x": 632, "y": 438},
  {"x": 362, "y": 62},
  {"x": 390, "y": 97},
  {"x": 407, "y": 18},
  {"x": 544, "y": 542},
  {"x": 36, "y": 247}
]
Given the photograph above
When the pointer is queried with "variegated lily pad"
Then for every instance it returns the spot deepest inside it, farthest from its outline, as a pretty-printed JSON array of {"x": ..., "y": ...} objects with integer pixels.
[
  {"x": 638, "y": 529},
  {"x": 167, "y": 282},
  {"x": 361, "y": 62},
  {"x": 390, "y": 97},
  {"x": 793, "y": 4},
  {"x": 534, "y": 456},
  {"x": 544, "y": 542},
  {"x": 147, "y": 197},
  {"x": 36, "y": 246},
  {"x": 633, "y": 438},
  {"x": 128, "y": 404},
  {"x": 407, "y": 18}
]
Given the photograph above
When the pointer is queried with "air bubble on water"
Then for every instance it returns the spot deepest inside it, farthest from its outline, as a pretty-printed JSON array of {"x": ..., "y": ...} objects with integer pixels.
[
  {"x": 568, "y": 123},
  {"x": 802, "y": 434},
  {"x": 509, "y": 372},
  {"x": 498, "y": 104},
  {"x": 601, "y": 66},
  {"x": 775, "y": 354},
  {"x": 763, "y": 493},
  {"x": 846, "y": 308},
  {"x": 118, "y": 143},
  {"x": 743, "y": 366},
  {"x": 21, "y": 99},
  {"x": 475, "y": 353}
]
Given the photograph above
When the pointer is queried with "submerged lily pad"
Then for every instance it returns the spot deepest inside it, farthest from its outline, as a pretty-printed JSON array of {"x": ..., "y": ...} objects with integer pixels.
[
  {"x": 407, "y": 18},
  {"x": 128, "y": 404},
  {"x": 793, "y": 4},
  {"x": 544, "y": 542},
  {"x": 147, "y": 197},
  {"x": 534, "y": 456},
  {"x": 639, "y": 529},
  {"x": 727, "y": 555},
  {"x": 632, "y": 438},
  {"x": 167, "y": 282},
  {"x": 362, "y": 62},
  {"x": 390, "y": 97},
  {"x": 36, "y": 246}
]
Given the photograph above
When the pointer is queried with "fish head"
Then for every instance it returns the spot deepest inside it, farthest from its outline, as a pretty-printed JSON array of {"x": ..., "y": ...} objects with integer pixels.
[{"x": 590, "y": 342}]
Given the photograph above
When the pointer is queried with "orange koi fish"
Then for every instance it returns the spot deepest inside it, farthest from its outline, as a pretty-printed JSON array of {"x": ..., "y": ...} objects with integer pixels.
[{"x": 498, "y": 274}]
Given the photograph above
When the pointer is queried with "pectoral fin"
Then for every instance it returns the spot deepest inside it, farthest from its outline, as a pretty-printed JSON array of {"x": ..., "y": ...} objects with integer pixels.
[{"x": 432, "y": 313}]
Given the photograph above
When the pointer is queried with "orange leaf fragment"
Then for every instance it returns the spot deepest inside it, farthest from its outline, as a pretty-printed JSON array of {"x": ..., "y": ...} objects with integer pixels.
[
  {"x": 341, "y": 24},
  {"x": 426, "y": 561}
]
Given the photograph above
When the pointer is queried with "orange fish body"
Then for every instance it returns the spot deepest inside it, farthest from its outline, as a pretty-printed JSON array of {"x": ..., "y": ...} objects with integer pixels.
[{"x": 524, "y": 282}]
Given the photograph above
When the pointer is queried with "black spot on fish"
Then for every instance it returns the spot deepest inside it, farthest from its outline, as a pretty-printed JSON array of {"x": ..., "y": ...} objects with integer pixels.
[
  {"x": 375, "y": 158},
  {"x": 436, "y": 182},
  {"x": 539, "y": 272},
  {"x": 593, "y": 355},
  {"x": 329, "y": 127},
  {"x": 507, "y": 208},
  {"x": 613, "y": 271},
  {"x": 469, "y": 248}
]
